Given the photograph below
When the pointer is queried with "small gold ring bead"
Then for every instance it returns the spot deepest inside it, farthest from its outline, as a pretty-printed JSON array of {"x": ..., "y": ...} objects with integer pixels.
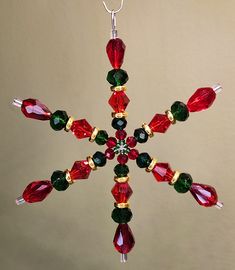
[
  {"x": 152, "y": 165},
  {"x": 121, "y": 179},
  {"x": 91, "y": 163},
  {"x": 170, "y": 116},
  {"x": 119, "y": 115},
  {"x": 175, "y": 178},
  {"x": 118, "y": 88},
  {"x": 148, "y": 130},
  {"x": 68, "y": 177},
  {"x": 94, "y": 134},
  {"x": 122, "y": 205},
  {"x": 69, "y": 124}
]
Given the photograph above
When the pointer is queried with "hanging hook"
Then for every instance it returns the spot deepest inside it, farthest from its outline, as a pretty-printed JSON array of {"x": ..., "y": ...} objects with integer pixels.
[{"x": 110, "y": 11}]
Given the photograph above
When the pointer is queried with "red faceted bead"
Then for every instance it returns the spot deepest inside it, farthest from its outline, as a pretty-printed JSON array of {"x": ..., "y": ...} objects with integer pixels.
[
  {"x": 115, "y": 50},
  {"x": 33, "y": 108},
  {"x": 80, "y": 170},
  {"x": 109, "y": 153},
  {"x": 205, "y": 195},
  {"x": 123, "y": 239},
  {"x": 131, "y": 141},
  {"x": 121, "y": 134},
  {"x": 162, "y": 172},
  {"x": 133, "y": 154},
  {"x": 37, "y": 191},
  {"x": 160, "y": 123},
  {"x": 119, "y": 101},
  {"x": 121, "y": 192},
  {"x": 122, "y": 159},
  {"x": 202, "y": 99},
  {"x": 81, "y": 129},
  {"x": 111, "y": 142}
]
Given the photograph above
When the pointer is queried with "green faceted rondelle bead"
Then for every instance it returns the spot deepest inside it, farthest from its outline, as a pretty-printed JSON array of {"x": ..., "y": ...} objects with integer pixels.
[
  {"x": 119, "y": 123},
  {"x": 117, "y": 77},
  {"x": 183, "y": 183},
  {"x": 121, "y": 215},
  {"x": 179, "y": 111},
  {"x": 58, "y": 180},
  {"x": 121, "y": 170},
  {"x": 101, "y": 137},
  {"x": 59, "y": 120},
  {"x": 99, "y": 159},
  {"x": 143, "y": 160},
  {"x": 141, "y": 135}
]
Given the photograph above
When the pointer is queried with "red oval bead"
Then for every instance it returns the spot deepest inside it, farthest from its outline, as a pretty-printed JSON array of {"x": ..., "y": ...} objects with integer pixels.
[
  {"x": 160, "y": 123},
  {"x": 115, "y": 50},
  {"x": 205, "y": 195},
  {"x": 81, "y": 129},
  {"x": 123, "y": 239},
  {"x": 33, "y": 108},
  {"x": 202, "y": 99},
  {"x": 121, "y": 192},
  {"x": 80, "y": 170},
  {"x": 37, "y": 191}
]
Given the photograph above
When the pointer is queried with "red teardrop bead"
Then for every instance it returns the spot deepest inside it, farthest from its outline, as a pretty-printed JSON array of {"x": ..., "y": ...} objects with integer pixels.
[
  {"x": 81, "y": 129},
  {"x": 121, "y": 192},
  {"x": 202, "y": 99},
  {"x": 162, "y": 172},
  {"x": 37, "y": 191},
  {"x": 160, "y": 123},
  {"x": 80, "y": 170},
  {"x": 115, "y": 50},
  {"x": 205, "y": 195},
  {"x": 33, "y": 108},
  {"x": 119, "y": 101},
  {"x": 123, "y": 239}
]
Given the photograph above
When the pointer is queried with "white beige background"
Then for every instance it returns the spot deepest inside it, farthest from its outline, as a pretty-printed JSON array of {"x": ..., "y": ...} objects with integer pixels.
[{"x": 54, "y": 50}]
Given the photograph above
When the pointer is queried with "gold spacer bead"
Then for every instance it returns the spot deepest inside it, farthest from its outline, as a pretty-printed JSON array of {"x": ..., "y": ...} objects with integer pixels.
[
  {"x": 119, "y": 115},
  {"x": 118, "y": 88},
  {"x": 175, "y": 178},
  {"x": 69, "y": 124},
  {"x": 152, "y": 165},
  {"x": 91, "y": 163},
  {"x": 94, "y": 134},
  {"x": 121, "y": 179},
  {"x": 68, "y": 177},
  {"x": 122, "y": 205},
  {"x": 170, "y": 116},
  {"x": 148, "y": 130}
]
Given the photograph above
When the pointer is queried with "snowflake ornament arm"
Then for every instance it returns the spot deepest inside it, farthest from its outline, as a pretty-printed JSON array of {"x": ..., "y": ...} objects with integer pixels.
[{"x": 120, "y": 145}]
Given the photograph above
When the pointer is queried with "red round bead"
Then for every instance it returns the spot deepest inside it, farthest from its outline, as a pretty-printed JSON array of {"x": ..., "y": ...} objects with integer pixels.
[
  {"x": 37, "y": 191},
  {"x": 109, "y": 153},
  {"x": 122, "y": 159},
  {"x": 202, "y": 99},
  {"x": 160, "y": 123},
  {"x": 205, "y": 195},
  {"x": 121, "y": 134},
  {"x": 81, "y": 129},
  {"x": 133, "y": 154},
  {"x": 131, "y": 141},
  {"x": 115, "y": 50},
  {"x": 123, "y": 239},
  {"x": 33, "y": 108},
  {"x": 80, "y": 170},
  {"x": 111, "y": 142}
]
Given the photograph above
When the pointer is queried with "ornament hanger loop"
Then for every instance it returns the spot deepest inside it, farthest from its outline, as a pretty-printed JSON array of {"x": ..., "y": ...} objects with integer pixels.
[{"x": 113, "y": 11}]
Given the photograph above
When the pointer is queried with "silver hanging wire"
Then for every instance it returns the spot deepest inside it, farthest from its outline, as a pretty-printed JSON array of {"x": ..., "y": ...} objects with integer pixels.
[{"x": 113, "y": 18}]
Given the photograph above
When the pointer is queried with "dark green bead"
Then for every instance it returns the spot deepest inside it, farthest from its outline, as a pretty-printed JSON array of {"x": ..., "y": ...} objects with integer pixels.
[
  {"x": 121, "y": 170},
  {"x": 59, "y": 120},
  {"x": 179, "y": 111},
  {"x": 117, "y": 77},
  {"x": 58, "y": 180},
  {"x": 99, "y": 159},
  {"x": 183, "y": 183},
  {"x": 119, "y": 123},
  {"x": 121, "y": 215},
  {"x": 143, "y": 160},
  {"x": 101, "y": 137},
  {"x": 141, "y": 135}
]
